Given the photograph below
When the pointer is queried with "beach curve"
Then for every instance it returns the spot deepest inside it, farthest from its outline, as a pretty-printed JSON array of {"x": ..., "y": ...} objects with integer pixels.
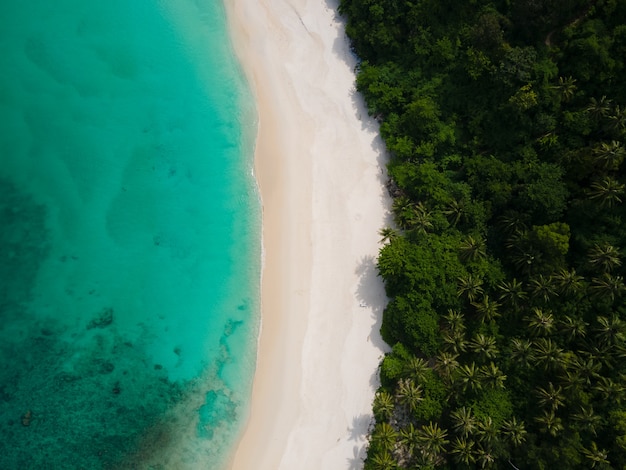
[{"x": 319, "y": 162}]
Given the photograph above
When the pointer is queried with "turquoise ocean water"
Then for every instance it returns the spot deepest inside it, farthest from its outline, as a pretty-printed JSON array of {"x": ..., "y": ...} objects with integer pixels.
[{"x": 129, "y": 235}]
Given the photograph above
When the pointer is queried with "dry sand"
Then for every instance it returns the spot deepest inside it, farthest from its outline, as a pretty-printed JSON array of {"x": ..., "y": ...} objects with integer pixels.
[{"x": 320, "y": 167}]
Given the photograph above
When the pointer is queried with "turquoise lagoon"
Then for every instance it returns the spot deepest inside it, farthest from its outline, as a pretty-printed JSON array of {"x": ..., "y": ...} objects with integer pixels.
[{"x": 130, "y": 236}]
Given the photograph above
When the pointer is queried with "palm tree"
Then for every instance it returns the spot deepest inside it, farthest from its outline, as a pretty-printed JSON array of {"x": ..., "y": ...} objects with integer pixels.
[
  {"x": 470, "y": 286},
  {"x": 487, "y": 432},
  {"x": 550, "y": 423},
  {"x": 514, "y": 431},
  {"x": 587, "y": 418},
  {"x": 463, "y": 421},
  {"x": 484, "y": 346},
  {"x": 472, "y": 249},
  {"x": 526, "y": 258},
  {"x": 433, "y": 438},
  {"x": 455, "y": 211},
  {"x": 384, "y": 437},
  {"x": 410, "y": 439},
  {"x": 454, "y": 320},
  {"x": 607, "y": 191},
  {"x": 421, "y": 220},
  {"x": 484, "y": 458},
  {"x": 606, "y": 257},
  {"x": 540, "y": 322},
  {"x": 463, "y": 450},
  {"x": 573, "y": 327},
  {"x": 388, "y": 234},
  {"x": 599, "y": 351},
  {"x": 612, "y": 330},
  {"x": 617, "y": 120},
  {"x": 454, "y": 341},
  {"x": 619, "y": 351},
  {"x": 568, "y": 282},
  {"x": 572, "y": 380},
  {"x": 523, "y": 254},
  {"x": 598, "y": 109},
  {"x": 596, "y": 456},
  {"x": 542, "y": 287},
  {"x": 416, "y": 368},
  {"x": 409, "y": 394},
  {"x": 487, "y": 309},
  {"x": 610, "y": 390},
  {"x": 588, "y": 369},
  {"x": 492, "y": 376},
  {"x": 512, "y": 223},
  {"x": 470, "y": 377},
  {"x": 609, "y": 155},
  {"x": 608, "y": 286},
  {"x": 383, "y": 406},
  {"x": 513, "y": 293},
  {"x": 425, "y": 459},
  {"x": 550, "y": 396},
  {"x": 546, "y": 352},
  {"x": 446, "y": 364},
  {"x": 384, "y": 461},
  {"x": 567, "y": 88},
  {"x": 402, "y": 208},
  {"x": 521, "y": 351}
]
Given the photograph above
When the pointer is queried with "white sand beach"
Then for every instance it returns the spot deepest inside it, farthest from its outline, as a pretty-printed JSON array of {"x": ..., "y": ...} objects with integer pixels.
[{"x": 320, "y": 167}]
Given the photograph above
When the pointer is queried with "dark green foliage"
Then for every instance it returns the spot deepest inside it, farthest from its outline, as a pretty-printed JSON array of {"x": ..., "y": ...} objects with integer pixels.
[
  {"x": 429, "y": 266},
  {"x": 413, "y": 322},
  {"x": 392, "y": 366},
  {"x": 506, "y": 125},
  {"x": 493, "y": 403},
  {"x": 432, "y": 405}
]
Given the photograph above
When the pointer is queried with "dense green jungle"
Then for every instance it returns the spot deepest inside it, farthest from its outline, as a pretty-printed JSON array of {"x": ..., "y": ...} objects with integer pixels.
[{"x": 505, "y": 122}]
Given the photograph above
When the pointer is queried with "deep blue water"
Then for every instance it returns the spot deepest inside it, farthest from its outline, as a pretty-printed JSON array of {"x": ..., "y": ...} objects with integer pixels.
[{"x": 130, "y": 235}]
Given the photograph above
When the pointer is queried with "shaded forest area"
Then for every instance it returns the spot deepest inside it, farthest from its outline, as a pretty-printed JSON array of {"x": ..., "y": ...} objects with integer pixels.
[{"x": 506, "y": 125}]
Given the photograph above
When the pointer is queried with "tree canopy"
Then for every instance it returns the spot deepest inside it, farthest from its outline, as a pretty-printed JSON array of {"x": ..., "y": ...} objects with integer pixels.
[{"x": 505, "y": 121}]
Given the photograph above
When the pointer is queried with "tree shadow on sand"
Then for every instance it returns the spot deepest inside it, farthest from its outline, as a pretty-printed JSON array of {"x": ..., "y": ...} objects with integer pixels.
[
  {"x": 342, "y": 49},
  {"x": 360, "y": 427},
  {"x": 371, "y": 296},
  {"x": 358, "y": 458}
]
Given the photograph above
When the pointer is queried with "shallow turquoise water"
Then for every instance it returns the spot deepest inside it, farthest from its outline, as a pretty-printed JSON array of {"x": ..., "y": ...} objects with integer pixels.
[{"x": 130, "y": 241}]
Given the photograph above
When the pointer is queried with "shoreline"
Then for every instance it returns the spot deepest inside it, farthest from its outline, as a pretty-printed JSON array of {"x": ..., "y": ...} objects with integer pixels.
[{"x": 319, "y": 164}]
